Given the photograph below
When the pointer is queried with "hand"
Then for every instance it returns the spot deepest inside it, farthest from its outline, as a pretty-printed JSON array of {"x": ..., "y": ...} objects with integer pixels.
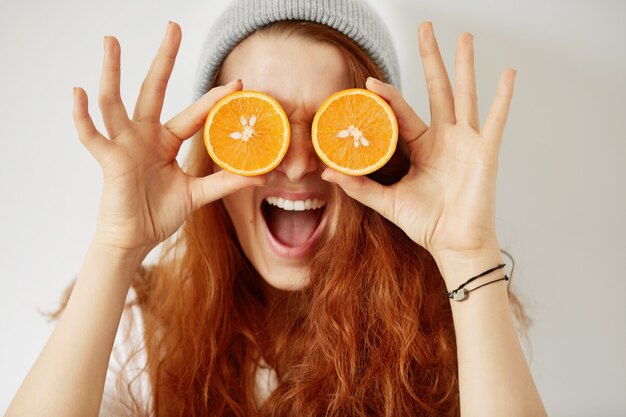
[
  {"x": 446, "y": 202},
  {"x": 146, "y": 196}
]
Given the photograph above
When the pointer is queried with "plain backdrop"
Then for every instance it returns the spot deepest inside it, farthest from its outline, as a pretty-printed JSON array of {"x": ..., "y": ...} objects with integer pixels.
[{"x": 561, "y": 197}]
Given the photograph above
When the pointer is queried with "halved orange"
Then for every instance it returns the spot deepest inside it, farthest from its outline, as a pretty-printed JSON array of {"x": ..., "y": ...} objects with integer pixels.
[
  {"x": 355, "y": 131},
  {"x": 247, "y": 132}
]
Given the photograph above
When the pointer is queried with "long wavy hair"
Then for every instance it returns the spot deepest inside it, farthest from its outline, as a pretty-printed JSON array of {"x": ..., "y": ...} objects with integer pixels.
[{"x": 370, "y": 335}]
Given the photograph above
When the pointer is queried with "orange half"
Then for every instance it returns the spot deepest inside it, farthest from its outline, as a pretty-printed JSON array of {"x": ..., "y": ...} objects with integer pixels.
[
  {"x": 355, "y": 131},
  {"x": 247, "y": 132}
]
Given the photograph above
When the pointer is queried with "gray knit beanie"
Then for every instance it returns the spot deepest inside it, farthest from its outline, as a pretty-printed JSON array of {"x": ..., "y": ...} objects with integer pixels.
[{"x": 354, "y": 18}]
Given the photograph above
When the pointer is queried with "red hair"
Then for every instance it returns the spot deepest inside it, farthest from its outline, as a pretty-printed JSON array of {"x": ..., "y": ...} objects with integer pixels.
[{"x": 371, "y": 335}]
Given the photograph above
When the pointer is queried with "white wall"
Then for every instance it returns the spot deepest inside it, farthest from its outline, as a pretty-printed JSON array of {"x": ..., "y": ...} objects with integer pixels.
[{"x": 560, "y": 203}]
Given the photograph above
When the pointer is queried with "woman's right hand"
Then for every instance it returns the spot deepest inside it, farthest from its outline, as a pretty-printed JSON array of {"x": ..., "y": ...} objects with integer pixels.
[{"x": 146, "y": 196}]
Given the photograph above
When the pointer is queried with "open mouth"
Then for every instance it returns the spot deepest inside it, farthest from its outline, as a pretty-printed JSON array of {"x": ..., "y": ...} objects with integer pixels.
[{"x": 293, "y": 226}]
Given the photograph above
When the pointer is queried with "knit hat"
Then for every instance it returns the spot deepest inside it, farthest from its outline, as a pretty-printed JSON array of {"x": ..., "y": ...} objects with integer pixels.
[{"x": 354, "y": 18}]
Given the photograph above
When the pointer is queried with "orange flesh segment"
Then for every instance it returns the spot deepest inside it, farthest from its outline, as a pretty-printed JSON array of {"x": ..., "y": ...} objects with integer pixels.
[
  {"x": 355, "y": 132},
  {"x": 247, "y": 133}
]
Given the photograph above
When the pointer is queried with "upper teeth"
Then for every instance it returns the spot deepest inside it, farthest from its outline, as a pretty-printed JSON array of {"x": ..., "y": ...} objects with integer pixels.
[{"x": 296, "y": 205}]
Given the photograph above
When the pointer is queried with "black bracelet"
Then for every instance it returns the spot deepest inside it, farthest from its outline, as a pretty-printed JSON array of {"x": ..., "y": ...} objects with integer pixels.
[{"x": 461, "y": 292}]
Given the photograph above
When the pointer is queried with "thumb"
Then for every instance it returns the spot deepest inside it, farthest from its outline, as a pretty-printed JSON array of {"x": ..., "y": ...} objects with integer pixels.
[
  {"x": 364, "y": 190},
  {"x": 207, "y": 189}
]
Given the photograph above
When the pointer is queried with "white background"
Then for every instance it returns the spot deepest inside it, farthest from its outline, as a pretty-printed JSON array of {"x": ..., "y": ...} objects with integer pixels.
[{"x": 561, "y": 198}]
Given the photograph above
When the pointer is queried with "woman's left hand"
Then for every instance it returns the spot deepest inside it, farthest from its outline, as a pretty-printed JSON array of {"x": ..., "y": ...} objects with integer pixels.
[{"x": 447, "y": 201}]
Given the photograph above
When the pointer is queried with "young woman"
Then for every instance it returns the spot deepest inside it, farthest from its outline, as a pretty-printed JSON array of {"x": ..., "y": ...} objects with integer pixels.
[{"x": 338, "y": 310}]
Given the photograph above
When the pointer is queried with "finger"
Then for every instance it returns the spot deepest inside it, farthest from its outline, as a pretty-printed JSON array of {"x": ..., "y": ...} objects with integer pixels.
[
  {"x": 110, "y": 102},
  {"x": 437, "y": 81},
  {"x": 410, "y": 126},
  {"x": 465, "y": 99},
  {"x": 152, "y": 93},
  {"x": 499, "y": 110},
  {"x": 186, "y": 123},
  {"x": 364, "y": 190},
  {"x": 89, "y": 136},
  {"x": 218, "y": 185}
]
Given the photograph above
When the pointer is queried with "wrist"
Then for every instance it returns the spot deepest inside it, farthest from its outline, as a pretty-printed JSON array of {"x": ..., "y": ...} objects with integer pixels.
[
  {"x": 457, "y": 267},
  {"x": 124, "y": 259}
]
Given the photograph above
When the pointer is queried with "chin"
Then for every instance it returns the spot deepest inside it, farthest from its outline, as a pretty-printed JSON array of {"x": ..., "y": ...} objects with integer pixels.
[{"x": 286, "y": 279}]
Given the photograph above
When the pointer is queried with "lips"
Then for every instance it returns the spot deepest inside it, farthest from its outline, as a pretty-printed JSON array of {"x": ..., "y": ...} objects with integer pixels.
[{"x": 293, "y": 222}]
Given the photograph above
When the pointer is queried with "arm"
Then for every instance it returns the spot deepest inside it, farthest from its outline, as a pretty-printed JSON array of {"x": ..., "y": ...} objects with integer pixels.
[
  {"x": 68, "y": 377},
  {"x": 494, "y": 378},
  {"x": 447, "y": 204},
  {"x": 145, "y": 198}
]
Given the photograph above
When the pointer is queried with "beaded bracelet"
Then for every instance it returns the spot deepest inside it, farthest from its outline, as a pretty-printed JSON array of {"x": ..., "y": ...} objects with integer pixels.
[{"x": 461, "y": 293}]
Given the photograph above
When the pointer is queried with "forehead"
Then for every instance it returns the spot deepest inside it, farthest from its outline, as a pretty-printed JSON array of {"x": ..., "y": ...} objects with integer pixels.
[{"x": 298, "y": 72}]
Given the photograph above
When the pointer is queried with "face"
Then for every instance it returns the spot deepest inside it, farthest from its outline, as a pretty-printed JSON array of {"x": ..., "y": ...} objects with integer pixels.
[{"x": 280, "y": 224}]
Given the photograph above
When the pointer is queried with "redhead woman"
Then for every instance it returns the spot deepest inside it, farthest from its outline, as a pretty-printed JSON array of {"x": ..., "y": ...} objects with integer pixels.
[{"x": 384, "y": 295}]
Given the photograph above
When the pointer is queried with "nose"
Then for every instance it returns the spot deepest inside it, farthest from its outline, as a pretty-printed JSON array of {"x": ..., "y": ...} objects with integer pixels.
[{"x": 300, "y": 159}]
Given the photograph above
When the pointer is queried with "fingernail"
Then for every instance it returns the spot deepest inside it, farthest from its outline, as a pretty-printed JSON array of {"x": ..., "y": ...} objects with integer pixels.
[
  {"x": 375, "y": 80},
  {"x": 232, "y": 83},
  {"x": 74, "y": 92}
]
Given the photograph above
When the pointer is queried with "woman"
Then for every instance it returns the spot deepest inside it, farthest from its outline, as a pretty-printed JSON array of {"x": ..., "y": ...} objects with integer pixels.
[{"x": 257, "y": 310}]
